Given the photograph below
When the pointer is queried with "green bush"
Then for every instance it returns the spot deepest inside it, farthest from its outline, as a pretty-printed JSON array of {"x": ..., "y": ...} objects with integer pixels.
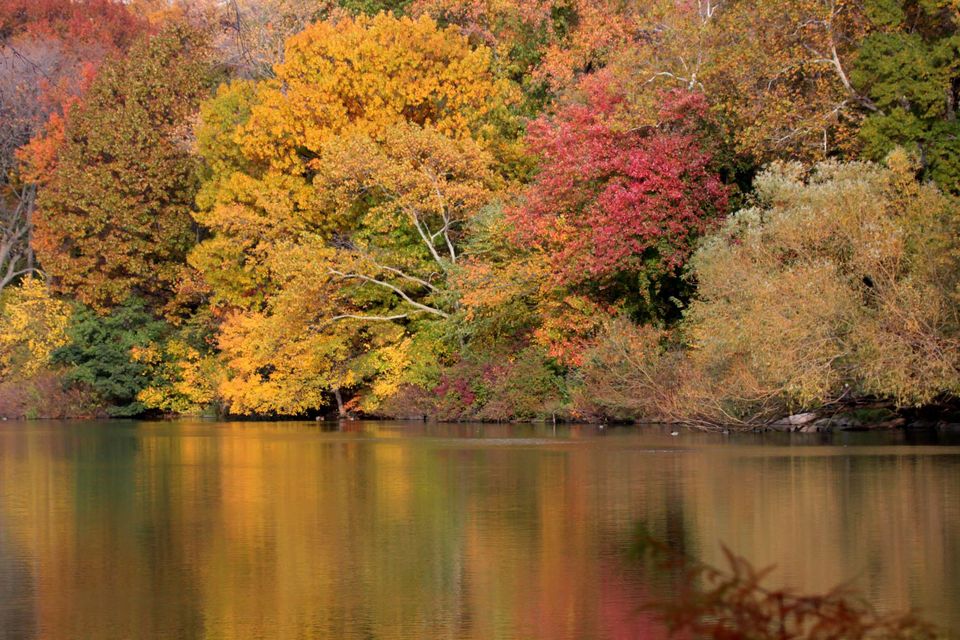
[{"x": 99, "y": 354}]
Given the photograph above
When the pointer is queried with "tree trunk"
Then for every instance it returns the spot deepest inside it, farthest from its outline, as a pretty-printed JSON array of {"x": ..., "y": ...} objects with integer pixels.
[{"x": 341, "y": 413}]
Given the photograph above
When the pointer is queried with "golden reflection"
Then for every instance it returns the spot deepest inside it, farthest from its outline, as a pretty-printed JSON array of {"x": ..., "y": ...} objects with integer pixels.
[{"x": 146, "y": 530}]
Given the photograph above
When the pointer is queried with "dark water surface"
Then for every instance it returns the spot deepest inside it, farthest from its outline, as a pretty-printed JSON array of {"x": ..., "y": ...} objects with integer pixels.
[{"x": 391, "y": 530}]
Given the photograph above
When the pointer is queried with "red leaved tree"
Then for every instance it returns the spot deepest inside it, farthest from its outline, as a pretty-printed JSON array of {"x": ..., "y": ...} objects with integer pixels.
[{"x": 620, "y": 195}]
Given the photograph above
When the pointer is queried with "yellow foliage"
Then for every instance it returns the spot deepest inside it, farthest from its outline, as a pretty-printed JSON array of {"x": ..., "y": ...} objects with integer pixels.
[
  {"x": 262, "y": 380},
  {"x": 394, "y": 107},
  {"x": 391, "y": 364},
  {"x": 185, "y": 380},
  {"x": 33, "y": 325},
  {"x": 339, "y": 193},
  {"x": 839, "y": 282},
  {"x": 279, "y": 364},
  {"x": 366, "y": 75},
  {"x": 784, "y": 89}
]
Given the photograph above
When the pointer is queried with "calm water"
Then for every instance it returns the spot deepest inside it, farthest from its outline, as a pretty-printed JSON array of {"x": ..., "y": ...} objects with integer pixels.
[{"x": 392, "y": 530}]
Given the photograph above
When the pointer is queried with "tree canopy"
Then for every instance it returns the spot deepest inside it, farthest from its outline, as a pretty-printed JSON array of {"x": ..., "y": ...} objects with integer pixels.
[{"x": 710, "y": 211}]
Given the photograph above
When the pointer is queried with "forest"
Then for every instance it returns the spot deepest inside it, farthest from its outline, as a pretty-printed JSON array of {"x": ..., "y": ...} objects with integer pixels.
[{"x": 708, "y": 212}]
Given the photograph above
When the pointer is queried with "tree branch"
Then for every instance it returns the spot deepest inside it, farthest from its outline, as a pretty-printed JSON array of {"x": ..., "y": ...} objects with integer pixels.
[
  {"x": 352, "y": 316},
  {"x": 397, "y": 290},
  {"x": 445, "y": 212},
  {"x": 424, "y": 234}
]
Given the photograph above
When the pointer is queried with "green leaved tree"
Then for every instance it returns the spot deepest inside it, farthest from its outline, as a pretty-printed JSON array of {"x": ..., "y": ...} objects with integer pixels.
[{"x": 909, "y": 66}]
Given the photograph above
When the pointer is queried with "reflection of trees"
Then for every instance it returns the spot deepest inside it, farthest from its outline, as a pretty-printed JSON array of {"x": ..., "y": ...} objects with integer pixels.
[
  {"x": 887, "y": 521},
  {"x": 246, "y": 530},
  {"x": 17, "y": 614}
]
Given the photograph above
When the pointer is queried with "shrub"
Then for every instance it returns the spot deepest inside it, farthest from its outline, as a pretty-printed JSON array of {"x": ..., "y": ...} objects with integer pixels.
[
  {"x": 45, "y": 395},
  {"x": 33, "y": 325},
  {"x": 840, "y": 282},
  {"x": 632, "y": 373},
  {"x": 100, "y": 354}
]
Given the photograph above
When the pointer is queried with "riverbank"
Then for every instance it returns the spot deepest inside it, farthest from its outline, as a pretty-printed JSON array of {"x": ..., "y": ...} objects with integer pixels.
[{"x": 867, "y": 416}]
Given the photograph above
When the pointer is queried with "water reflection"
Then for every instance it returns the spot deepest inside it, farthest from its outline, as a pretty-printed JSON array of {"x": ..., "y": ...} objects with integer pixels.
[{"x": 386, "y": 530}]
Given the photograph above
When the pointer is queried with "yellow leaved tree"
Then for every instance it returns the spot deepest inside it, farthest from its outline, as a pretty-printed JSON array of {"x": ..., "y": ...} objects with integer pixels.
[
  {"x": 338, "y": 194},
  {"x": 33, "y": 324}
]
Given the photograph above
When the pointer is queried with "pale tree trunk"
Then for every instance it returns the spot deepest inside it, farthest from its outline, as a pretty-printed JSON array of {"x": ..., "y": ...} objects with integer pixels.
[
  {"x": 341, "y": 412},
  {"x": 16, "y": 254}
]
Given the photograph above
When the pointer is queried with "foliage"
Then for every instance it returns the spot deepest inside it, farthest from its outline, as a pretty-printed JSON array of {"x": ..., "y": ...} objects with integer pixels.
[
  {"x": 46, "y": 395},
  {"x": 251, "y": 34},
  {"x": 630, "y": 372},
  {"x": 333, "y": 80},
  {"x": 833, "y": 272},
  {"x": 114, "y": 216},
  {"x": 49, "y": 50},
  {"x": 33, "y": 325},
  {"x": 338, "y": 194},
  {"x": 544, "y": 44},
  {"x": 778, "y": 73},
  {"x": 731, "y": 602},
  {"x": 484, "y": 209},
  {"x": 182, "y": 371},
  {"x": 908, "y": 67},
  {"x": 76, "y": 23},
  {"x": 617, "y": 200},
  {"x": 836, "y": 284},
  {"x": 100, "y": 353},
  {"x": 271, "y": 372}
]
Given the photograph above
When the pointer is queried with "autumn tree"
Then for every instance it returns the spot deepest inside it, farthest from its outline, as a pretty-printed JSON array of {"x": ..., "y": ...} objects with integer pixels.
[
  {"x": 619, "y": 200},
  {"x": 33, "y": 324},
  {"x": 839, "y": 284},
  {"x": 341, "y": 189},
  {"x": 253, "y": 33},
  {"x": 845, "y": 284},
  {"x": 544, "y": 44},
  {"x": 780, "y": 75},
  {"x": 621, "y": 194},
  {"x": 114, "y": 217},
  {"x": 80, "y": 24},
  {"x": 48, "y": 51},
  {"x": 807, "y": 79}
]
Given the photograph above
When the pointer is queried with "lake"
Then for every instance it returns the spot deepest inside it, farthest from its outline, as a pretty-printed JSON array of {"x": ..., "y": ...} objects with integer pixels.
[{"x": 192, "y": 529}]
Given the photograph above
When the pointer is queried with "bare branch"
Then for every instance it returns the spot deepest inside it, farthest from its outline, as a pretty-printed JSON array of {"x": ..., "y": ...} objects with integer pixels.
[
  {"x": 444, "y": 208},
  {"x": 425, "y": 235},
  {"x": 400, "y": 292},
  {"x": 405, "y": 276},
  {"x": 352, "y": 316}
]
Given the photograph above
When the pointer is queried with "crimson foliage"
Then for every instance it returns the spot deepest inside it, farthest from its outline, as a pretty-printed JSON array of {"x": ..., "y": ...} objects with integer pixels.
[{"x": 613, "y": 198}]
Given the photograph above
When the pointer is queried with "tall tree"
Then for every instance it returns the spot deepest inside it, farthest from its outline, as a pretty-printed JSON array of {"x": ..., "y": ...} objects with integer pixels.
[
  {"x": 779, "y": 73},
  {"x": 49, "y": 50},
  {"x": 620, "y": 198},
  {"x": 114, "y": 218},
  {"x": 544, "y": 43},
  {"x": 338, "y": 194},
  {"x": 908, "y": 66}
]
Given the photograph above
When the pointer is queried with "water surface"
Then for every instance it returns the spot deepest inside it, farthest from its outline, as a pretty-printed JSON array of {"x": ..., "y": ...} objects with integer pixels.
[{"x": 391, "y": 530}]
